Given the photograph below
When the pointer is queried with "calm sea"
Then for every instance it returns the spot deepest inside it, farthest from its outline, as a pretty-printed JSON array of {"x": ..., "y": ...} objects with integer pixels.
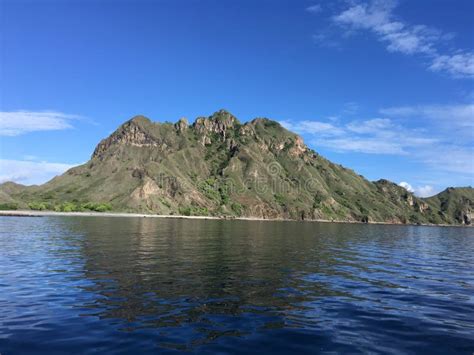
[{"x": 107, "y": 285}]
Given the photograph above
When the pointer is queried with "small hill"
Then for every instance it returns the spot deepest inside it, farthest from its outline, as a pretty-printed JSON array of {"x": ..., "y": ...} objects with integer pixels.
[
  {"x": 222, "y": 167},
  {"x": 456, "y": 205}
]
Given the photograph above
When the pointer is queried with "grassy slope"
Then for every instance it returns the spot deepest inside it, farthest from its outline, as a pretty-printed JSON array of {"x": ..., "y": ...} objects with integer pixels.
[{"x": 454, "y": 204}]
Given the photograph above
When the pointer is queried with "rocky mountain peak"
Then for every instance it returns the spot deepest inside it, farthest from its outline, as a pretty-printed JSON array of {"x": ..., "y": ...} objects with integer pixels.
[
  {"x": 138, "y": 119},
  {"x": 182, "y": 125},
  {"x": 219, "y": 123},
  {"x": 224, "y": 116},
  {"x": 131, "y": 132}
]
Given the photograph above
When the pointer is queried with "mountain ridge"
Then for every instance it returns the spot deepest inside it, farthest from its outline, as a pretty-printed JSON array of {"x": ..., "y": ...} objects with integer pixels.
[{"x": 219, "y": 166}]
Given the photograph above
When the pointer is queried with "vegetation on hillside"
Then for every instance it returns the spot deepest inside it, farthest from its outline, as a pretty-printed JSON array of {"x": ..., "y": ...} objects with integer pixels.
[
  {"x": 69, "y": 206},
  {"x": 221, "y": 167}
]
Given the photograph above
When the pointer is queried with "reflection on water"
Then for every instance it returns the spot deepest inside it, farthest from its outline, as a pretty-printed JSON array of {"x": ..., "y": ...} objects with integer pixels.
[{"x": 78, "y": 285}]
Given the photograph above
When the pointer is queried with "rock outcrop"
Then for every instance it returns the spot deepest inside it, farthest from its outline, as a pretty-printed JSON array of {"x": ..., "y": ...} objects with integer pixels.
[
  {"x": 131, "y": 133},
  {"x": 182, "y": 125},
  {"x": 215, "y": 127}
]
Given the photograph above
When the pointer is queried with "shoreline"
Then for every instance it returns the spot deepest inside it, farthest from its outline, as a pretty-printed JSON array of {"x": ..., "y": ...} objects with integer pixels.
[{"x": 32, "y": 213}]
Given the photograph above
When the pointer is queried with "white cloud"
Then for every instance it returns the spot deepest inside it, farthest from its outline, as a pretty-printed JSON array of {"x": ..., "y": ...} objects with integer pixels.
[
  {"x": 377, "y": 16},
  {"x": 441, "y": 148},
  {"x": 324, "y": 39},
  {"x": 449, "y": 157},
  {"x": 461, "y": 113},
  {"x": 425, "y": 191},
  {"x": 376, "y": 125},
  {"x": 14, "y": 123},
  {"x": 455, "y": 119},
  {"x": 406, "y": 186},
  {"x": 372, "y": 136},
  {"x": 362, "y": 145},
  {"x": 312, "y": 127},
  {"x": 314, "y": 8},
  {"x": 458, "y": 65},
  {"x": 30, "y": 172},
  {"x": 421, "y": 191}
]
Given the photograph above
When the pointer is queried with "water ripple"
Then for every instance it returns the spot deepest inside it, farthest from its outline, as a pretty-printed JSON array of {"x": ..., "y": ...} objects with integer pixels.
[{"x": 113, "y": 285}]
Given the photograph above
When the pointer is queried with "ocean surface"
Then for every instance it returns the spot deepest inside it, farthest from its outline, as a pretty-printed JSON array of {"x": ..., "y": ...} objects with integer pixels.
[{"x": 104, "y": 285}]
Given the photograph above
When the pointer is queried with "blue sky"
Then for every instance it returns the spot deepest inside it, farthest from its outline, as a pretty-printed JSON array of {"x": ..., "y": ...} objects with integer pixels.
[{"x": 382, "y": 87}]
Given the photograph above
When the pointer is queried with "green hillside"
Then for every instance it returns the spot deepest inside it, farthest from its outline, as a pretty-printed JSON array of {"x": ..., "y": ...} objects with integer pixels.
[{"x": 218, "y": 166}]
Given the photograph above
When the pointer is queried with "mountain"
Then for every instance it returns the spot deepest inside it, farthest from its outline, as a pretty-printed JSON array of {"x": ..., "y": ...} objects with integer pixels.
[{"x": 219, "y": 166}]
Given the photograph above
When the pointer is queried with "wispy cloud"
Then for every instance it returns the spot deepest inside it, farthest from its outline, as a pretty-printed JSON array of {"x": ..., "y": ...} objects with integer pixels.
[
  {"x": 350, "y": 108},
  {"x": 30, "y": 172},
  {"x": 368, "y": 145},
  {"x": 449, "y": 157},
  {"x": 372, "y": 136},
  {"x": 458, "y": 65},
  {"x": 376, "y": 126},
  {"x": 441, "y": 148},
  {"x": 316, "y": 8},
  {"x": 454, "y": 122},
  {"x": 378, "y": 17},
  {"x": 460, "y": 115},
  {"x": 14, "y": 123},
  {"x": 313, "y": 127},
  {"x": 325, "y": 39}
]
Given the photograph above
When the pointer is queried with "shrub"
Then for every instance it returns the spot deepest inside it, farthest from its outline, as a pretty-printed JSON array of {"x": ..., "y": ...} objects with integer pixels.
[
  {"x": 193, "y": 211},
  {"x": 39, "y": 206},
  {"x": 103, "y": 207},
  {"x": 8, "y": 206},
  {"x": 185, "y": 211},
  {"x": 224, "y": 194},
  {"x": 97, "y": 207},
  {"x": 88, "y": 206},
  {"x": 415, "y": 219},
  {"x": 200, "y": 211},
  {"x": 69, "y": 207},
  {"x": 237, "y": 208},
  {"x": 280, "y": 199},
  {"x": 325, "y": 209},
  {"x": 209, "y": 189}
]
